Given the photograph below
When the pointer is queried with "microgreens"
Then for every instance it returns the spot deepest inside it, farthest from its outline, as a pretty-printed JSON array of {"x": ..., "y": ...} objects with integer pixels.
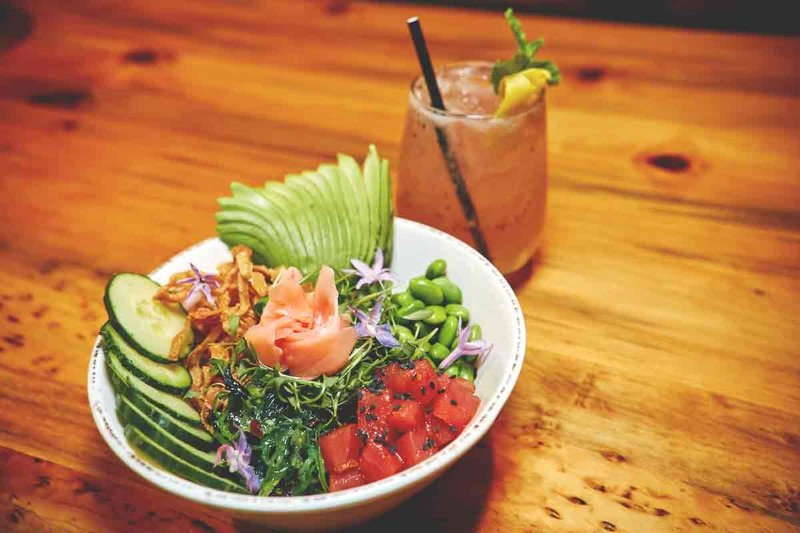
[
  {"x": 293, "y": 412},
  {"x": 238, "y": 457},
  {"x": 524, "y": 58},
  {"x": 201, "y": 285},
  {"x": 370, "y": 274},
  {"x": 367, "y": 326},
  {"x": 478, "y": 347}
]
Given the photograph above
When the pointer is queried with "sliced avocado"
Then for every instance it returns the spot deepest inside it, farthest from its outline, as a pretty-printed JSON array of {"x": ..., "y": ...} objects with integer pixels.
[
  {"x": 306, "y": 223},
  {"x": 345, "y": 214},
  {"x": 349, "y": 168},
  {"x": 290, "y": 233},
  {"x": 294, "y": 219},
  {"x": 372, "y": 174},
  {"x": 387, "y": 214},
  {"x": 272, "y": 213},
  {"x": 354, "y": 221},
  {"x": 234, "y": 237},
  {"x": 352, "y": 216},
  {"x": 308, "y": 218},
  {"x": 332, "y": 232},
  {"x": 328, "y": 216},
  {"x": 237, "y": 222},
  {"x": 236, "y": 209},
  {"x": 324, "y": 214}
]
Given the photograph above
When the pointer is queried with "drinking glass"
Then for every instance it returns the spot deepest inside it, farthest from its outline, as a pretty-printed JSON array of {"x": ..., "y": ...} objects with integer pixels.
[{"x": 480, "y": 178}]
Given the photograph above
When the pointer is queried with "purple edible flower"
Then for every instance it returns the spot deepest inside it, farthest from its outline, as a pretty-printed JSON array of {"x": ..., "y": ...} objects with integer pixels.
[
  {"x": 201, "y": 284},
  {"x": 370, "y": 274},
  {"x": 481, "y": 348},
  {"x": 238, "y": 458},
  {"x": 367, "y": 326}
]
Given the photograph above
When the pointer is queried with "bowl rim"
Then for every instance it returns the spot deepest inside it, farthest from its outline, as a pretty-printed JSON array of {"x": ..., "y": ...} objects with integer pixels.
[{"x": 332, "y": 500}]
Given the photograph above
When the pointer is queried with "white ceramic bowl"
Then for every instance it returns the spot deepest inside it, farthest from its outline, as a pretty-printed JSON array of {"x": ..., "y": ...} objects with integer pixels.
[{"x": 492, "y": 303}]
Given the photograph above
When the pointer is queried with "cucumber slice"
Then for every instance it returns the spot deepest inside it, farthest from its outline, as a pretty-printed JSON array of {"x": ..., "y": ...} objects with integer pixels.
[
  {"x": 125, "y": 382},
  {"x": 130, "y": 414},
  {"x": 146, "y": 324},
  {"x": 191, "y": 434},
  {"x": 177, "y": 465},
  {"x": 168, "y": 378}
]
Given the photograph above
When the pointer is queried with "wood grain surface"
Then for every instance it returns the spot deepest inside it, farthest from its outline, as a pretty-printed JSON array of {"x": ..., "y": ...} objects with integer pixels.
[{"x": 661, "y": 389}]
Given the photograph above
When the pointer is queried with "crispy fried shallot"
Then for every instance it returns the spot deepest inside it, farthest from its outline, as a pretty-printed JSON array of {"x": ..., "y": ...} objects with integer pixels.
[{"x": 241, "y": 285}]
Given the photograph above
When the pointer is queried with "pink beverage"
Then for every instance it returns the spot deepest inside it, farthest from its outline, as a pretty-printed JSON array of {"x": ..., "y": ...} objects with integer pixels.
[{"x": 503, "y": 162}]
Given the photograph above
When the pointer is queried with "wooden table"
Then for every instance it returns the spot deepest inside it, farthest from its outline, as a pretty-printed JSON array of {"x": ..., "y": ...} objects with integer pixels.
[{"x": 661, "y": 389}]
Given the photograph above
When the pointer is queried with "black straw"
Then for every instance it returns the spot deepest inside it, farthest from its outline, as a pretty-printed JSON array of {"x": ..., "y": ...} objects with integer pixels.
[
  {"x": 467, "y": 207},
  {"x": 425, "y": 63}
]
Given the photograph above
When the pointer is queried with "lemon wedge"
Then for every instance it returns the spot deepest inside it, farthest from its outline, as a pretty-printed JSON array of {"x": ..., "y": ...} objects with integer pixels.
[{"x": 520, "y": 90}]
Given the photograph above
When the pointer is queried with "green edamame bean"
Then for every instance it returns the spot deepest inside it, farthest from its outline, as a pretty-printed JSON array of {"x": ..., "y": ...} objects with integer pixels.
[
  {"x": 436, "y": 268},
  {"x": 466, "y": 371},
  {"x": 403, "y": 334},
  {"x": 438, "y": 352},
  {"x": 424, "y": 289},
  {"x": 451, "y": 291},
  {"x": 448, "y": 331},
  {"x": 475, "y": 332},
  {"x": 458, "y": 311},
  {"x": 402, "y": 298},
  {"x": 452, "y": 370},
  {"x": 437, "y": 317},
  {"x": 409, "y": 308}
]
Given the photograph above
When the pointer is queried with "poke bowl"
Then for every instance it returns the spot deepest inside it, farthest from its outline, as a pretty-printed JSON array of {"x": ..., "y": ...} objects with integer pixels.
[{"x": 491, "y": 302}]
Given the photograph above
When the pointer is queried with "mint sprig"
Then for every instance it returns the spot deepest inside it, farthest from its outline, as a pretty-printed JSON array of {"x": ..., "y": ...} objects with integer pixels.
[{"x": 524, "y": 58}]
